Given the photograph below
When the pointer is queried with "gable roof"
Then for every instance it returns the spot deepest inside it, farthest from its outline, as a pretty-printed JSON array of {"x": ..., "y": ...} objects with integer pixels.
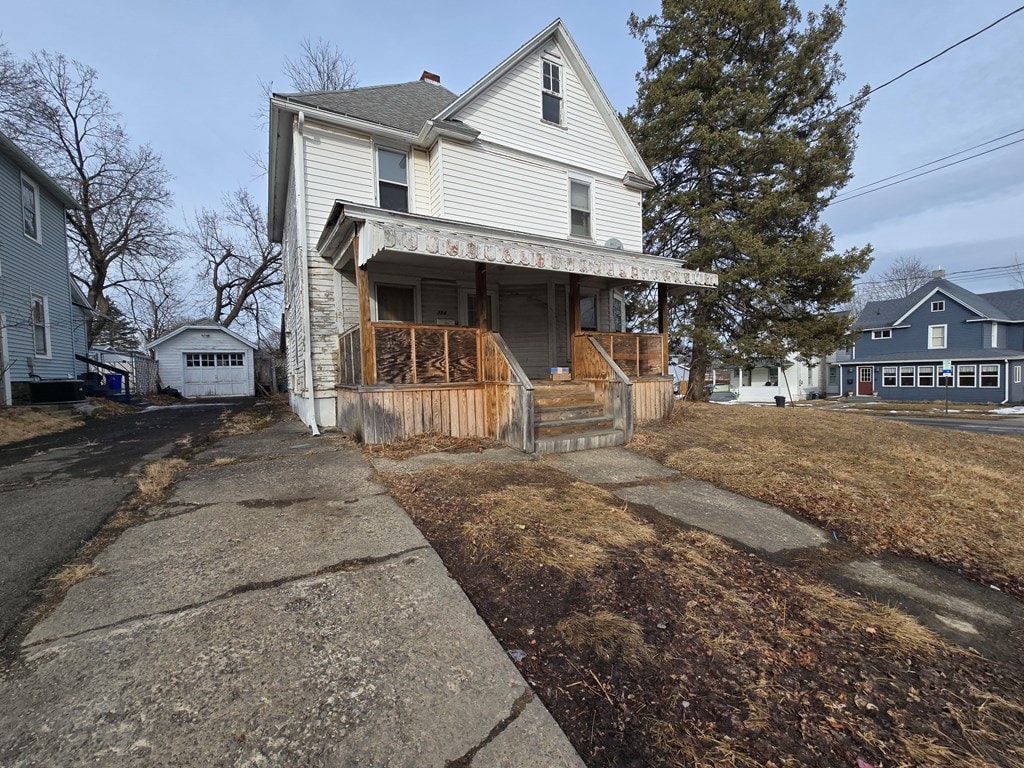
[
  {"x": 556, "y": 31},
  {"x": 891, "y": 312},
  {"x": 38, "y": 174},
  {"x": 1010, "y": 303},
  {"x": 405, "y": 106},
  {"x": 199, "y": 325}
]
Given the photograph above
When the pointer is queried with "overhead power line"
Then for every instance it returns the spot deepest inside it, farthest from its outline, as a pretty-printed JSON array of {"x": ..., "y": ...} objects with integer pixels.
[
  {"x": 962, "y": 275},
  {"x": 943, "y": 52},
  {"x": 925, "y": 173}
]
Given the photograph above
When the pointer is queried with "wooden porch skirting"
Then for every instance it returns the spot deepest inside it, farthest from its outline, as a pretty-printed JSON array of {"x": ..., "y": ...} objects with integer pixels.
[
  {"x": 652, "y": 398},
  {"x": 383, "y": 414}
]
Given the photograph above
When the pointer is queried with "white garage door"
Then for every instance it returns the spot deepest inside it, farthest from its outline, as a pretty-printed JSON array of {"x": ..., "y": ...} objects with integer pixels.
[{"x": 215, "y": 374}]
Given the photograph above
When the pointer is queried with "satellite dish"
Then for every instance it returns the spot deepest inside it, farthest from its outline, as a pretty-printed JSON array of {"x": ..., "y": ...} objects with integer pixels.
[{"x": 615, "y": 243}]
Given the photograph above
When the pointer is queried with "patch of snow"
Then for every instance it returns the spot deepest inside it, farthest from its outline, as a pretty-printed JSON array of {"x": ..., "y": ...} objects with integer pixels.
[
  {"x": 1015, "y": 410},
  {"x": 149, "y": 408}
]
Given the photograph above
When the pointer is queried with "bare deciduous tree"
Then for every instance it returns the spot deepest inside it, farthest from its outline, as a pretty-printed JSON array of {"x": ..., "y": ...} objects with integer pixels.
[
  {"x": 321, "y": 67},
  {"x": 15, "y": 81},
  {"x": 68, "y": 126},
  {"x": 904, "y": 276},
  {"x": 241, "y": 267}
]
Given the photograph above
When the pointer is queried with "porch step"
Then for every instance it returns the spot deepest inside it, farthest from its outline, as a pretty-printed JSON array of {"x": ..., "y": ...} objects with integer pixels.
[
  {"x": 580, "y": 441},
  {"x": 549, "y": 414},
  {"x": 572, "y": 426}
]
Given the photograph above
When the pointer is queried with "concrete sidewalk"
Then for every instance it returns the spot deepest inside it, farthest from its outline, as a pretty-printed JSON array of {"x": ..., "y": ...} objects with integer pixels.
[{"x": 279, "y": 609}]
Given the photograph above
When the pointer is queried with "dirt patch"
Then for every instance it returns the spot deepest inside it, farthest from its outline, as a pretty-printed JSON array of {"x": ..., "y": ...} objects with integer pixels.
[
  {"x": 665, "y": 647},
  {"x": 431, "y": 442},
  {"x": 952, "y": 498},
  {"x": 24, "y": 422}
]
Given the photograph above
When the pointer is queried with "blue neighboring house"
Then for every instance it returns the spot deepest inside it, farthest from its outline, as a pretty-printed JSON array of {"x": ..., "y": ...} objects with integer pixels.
[
  {"x": 903, "y": 345},
  {"x": 43, "y": 315}
]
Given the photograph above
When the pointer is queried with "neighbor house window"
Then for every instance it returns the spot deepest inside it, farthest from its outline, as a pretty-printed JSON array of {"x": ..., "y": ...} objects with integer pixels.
[
  {"x": 886, "y": 334},
  {"x": 579, "y": 208},
  {"x": 30, "y": 208},
  {"x": 41, "y": 326},
  {"x": 551, "y": 92},
  {"x": 938, "y": 306},
  {"x": 396, "y": 303},
  {"x": 392, "y": 180},
  {"x": 995, "y": 335},
  {"x": 926, "y": 376},
  {"x": 833, "y": 375},
  {"x": 936, "y": 337},
  {"x": 1016, "y": 374},
  {"x": 906, "y": 375},
  {"x": 989, "y": 375},
  {"x": 966, "y": 375},
  {"x": 889, "y": 377}
]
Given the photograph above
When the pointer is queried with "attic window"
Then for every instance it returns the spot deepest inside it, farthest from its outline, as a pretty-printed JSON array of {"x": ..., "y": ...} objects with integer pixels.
[
  {"x": 551, "y": 93},
  {"x": 938, "y": 306},
  {"x": 886, "y": 334},
  {"x": 392, "y": 180}
]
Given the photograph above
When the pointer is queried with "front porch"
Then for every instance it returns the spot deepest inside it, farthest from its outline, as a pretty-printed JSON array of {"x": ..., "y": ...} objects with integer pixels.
[{"x": 455, "y": 333}]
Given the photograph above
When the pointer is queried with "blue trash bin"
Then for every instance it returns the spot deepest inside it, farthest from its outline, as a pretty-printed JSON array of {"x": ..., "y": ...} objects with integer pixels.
[{"x": 114, "y": 381}]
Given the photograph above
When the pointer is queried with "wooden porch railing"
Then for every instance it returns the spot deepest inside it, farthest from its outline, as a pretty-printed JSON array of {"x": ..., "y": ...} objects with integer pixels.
[
  {"x": 509, "y": 394},
  {"x": 350, "y": 360},
  {"x": 637, "y": 354},
  {"x": 593, "y": 362},
  {"x": 424, "y": 354}
]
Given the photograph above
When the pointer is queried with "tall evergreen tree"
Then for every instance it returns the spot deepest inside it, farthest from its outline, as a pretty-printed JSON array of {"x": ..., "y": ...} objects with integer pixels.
[{"x": 737, "y": 114}]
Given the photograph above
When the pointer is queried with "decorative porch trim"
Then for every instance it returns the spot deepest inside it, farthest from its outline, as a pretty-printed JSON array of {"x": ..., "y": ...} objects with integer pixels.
[{"x": 382, "y": 231}]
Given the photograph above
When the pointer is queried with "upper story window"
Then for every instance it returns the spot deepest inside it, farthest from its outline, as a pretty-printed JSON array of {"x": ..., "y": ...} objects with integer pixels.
[
  {"x": 886, "y": 334},
  {"x": 579, "y": 208},
  {"x": 392, "y": 180},
  {"x": 938, "y": 306},
  {"x": 30, "y": 208},
  {"x": 551, "y": 92},
  {"x": 936, "y": 337}
]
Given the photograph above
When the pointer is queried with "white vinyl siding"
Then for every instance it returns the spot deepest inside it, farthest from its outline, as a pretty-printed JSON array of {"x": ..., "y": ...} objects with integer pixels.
[
  {"x": 436, "y": 187},
  {"x": 936, "y": 337},
  {"x": 507, "y": 113},
  {"x": 420, "y": 202},
  {"x": 491, "y": 187}
]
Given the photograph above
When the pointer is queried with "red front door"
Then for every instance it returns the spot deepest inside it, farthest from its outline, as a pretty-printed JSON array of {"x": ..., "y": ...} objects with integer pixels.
[{"x": 865, "y": 380}]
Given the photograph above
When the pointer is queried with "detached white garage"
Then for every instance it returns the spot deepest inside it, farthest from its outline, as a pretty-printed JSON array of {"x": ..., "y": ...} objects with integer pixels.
[{"x": 206, "y": 360}]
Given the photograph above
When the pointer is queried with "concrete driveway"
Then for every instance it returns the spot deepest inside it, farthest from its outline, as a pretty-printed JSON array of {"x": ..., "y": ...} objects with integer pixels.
[{"x": 56, "y": 490}]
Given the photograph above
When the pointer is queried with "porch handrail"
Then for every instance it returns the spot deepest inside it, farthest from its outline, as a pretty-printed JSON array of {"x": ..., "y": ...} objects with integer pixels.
[
  {"x": 592, "y": 361},
  {"x": 637, "y": 351},
  {"x": 516, "y": 374}
]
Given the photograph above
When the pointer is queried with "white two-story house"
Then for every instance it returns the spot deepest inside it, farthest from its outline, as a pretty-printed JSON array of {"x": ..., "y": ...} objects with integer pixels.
[{"x": 443, "y": 253}]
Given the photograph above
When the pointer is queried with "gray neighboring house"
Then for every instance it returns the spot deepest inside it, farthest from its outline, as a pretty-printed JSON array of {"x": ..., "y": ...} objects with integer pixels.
[
  {"x": 43, "y": 316},
  {"x": 902, "y": 346}
]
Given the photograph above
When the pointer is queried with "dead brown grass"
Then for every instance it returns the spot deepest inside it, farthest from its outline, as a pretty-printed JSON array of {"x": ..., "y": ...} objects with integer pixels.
[
  {"x": 248, "y": 421},
  {"x": 949, "y": 497},
  {"x": 605, "y": 634},
  {"x": 570, "y": 528},
  {"x": 430, "y": 442},
  {"x": 23, "y": 423},
  {"x": 75, "y": 573},
  {"x": 157, "y": 478}
]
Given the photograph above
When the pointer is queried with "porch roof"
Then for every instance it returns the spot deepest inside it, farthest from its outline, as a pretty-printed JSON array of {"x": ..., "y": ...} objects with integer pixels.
[{"x": 381, "y": 230}]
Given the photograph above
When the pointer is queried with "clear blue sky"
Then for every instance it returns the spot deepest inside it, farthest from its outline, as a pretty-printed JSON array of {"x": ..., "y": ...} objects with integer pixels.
[{"x": 185, "y": 76}]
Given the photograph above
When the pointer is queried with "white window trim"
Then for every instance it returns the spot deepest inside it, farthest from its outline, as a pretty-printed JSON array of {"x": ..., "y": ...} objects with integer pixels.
[
  {"x": 939, "y": 305},
  {"x": 995, "y": 335},
  {"x": 881, "y": 334},
  {"x": 560, "y": 94},
  {"x": 913, "y": 375},
  {"x": 46, "y": 325},
  {"x": 945, "y": 337},
  {"x": 465, "y": 293},
  {"x": 21, "y": 210},
  {"x": 998, "y": 376},
  {"x": 926, "y": 368},
  {"x": 397, "y": 280},
  {"x": 590, "y": 201},
  {"x": 1016, "y": 374},
  {"x": 895, "y": 375},
  {"x": 410, "y": 192},
  {"x": 963, "y": 368}
]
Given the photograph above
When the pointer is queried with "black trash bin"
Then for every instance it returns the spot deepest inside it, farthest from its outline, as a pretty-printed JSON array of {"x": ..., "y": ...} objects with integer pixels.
[{"x": 780, "y": 401}]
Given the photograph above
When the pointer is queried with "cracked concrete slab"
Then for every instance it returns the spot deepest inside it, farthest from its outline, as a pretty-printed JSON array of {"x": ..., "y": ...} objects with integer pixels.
[
  {"x": 610, "y": 466},
  {"x": 522, "y": 744},
  {"x": 285, "y": 438},
  {"x": 191, "y": 558},
  {"x": 750, "y": 523},
  {"x": 384, "y": 666},
  {"x": 430, "y": 460}
]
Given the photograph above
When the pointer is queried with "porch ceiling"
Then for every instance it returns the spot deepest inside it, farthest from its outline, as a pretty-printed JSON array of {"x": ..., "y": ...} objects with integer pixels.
[{"x": 390, "y": 232}]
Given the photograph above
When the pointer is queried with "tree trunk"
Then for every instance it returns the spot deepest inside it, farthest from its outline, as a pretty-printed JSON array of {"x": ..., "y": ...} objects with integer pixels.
[{"x": 700, "y": 358}]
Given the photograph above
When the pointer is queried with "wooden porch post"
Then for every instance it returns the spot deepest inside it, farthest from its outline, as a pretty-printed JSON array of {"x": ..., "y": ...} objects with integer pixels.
[
  {"x": 366, "y": 342},
  {"x": 663, "y": 325},
  {"x": 574, "y": 319},
  {"x": 483, "y": 306}
]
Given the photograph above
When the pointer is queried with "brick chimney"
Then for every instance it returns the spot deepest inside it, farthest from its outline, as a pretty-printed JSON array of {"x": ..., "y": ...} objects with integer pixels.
[{"x": 430, "y": 77}]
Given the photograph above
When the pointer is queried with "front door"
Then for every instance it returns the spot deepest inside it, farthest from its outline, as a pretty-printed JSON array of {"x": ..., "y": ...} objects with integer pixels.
[{"x": 865, "y": 380}]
